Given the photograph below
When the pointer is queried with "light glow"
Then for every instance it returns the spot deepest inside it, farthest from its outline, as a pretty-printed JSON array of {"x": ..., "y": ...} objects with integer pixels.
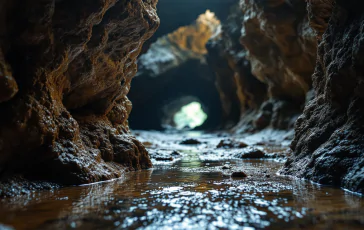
[{"x": 190, "y": 116}]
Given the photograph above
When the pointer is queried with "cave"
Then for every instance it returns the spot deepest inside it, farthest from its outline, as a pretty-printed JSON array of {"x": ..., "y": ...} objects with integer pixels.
[{"x": 181, "y": 114}]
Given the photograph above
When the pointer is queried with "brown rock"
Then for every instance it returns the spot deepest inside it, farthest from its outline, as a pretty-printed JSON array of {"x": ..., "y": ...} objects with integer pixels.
[
  {"x": 73, "y": 63},
  {"x": 251, "y": 152},
  {"x": 266, "y": 51}
]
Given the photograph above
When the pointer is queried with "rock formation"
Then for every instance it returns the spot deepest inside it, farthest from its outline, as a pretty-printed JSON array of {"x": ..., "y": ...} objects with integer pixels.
[
  {"x": 264, "y": 59},
  {"x": 174, "y": 14},
  {"x": 65, "y": 70},
  {"x": 328, "y": 147}
]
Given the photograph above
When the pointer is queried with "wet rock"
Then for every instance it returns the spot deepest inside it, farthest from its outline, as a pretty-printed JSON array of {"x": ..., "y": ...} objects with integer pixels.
[
  {"x": 175, "y": 153},
  {"x": 251, "y": 152},
  {"x": 164, "y": 155},
  {"x": 190, "y": 141},
  {"x": 164, "y": 158},
  {"x": 238, "y": 174},
  {"x": 21, "y": 186},
  {"x": 329, "y": 139},
  {"x": 230, "y": 143},
  {"x": 226, "y": 166},
  {"x": 73, "y": 63}
]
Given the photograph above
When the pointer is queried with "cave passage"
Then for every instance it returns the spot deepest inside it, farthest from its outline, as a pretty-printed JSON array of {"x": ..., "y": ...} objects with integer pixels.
[{"x": 231, "y": 116}]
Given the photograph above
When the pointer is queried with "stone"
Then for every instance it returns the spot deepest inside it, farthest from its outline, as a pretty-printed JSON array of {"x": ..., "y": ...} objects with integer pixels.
[
  {"x": 226, "y": 166},
  {"x": 164, "y": 159},
  {"x": 190, "y": 141},
  {"x": 163, "y": 155},
  {"x": 239, "y": 174},
  {"x": 229, "y": 143},
  {"x": 251, "y": 153}
]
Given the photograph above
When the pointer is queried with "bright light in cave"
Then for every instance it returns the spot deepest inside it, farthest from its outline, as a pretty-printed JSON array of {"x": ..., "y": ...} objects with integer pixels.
[{"x": 190, "y": 115}]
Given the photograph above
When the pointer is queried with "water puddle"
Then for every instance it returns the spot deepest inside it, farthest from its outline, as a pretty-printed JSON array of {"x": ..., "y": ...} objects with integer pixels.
[{"x": 191, "y": 193}]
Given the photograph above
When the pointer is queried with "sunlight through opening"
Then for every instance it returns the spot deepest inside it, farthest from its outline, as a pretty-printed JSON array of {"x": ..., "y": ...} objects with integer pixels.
[{"x": 190, "y": 116}]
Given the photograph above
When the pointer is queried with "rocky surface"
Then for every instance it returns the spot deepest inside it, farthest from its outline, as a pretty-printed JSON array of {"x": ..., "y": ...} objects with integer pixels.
[
  {"x": 65, "y": 70},
  {"x": 263, "y": 59},
  {"x": 329, "y": 141}
]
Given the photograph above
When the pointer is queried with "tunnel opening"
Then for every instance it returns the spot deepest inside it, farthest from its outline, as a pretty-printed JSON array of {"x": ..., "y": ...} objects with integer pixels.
[
  {"x": 190, "y": 116},
  {"x": 174, "y": 72},
  {"x": 185, "y": 113}
]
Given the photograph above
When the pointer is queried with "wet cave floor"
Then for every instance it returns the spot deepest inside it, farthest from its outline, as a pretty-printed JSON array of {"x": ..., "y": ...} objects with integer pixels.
[{"x": 191, "y": 187}]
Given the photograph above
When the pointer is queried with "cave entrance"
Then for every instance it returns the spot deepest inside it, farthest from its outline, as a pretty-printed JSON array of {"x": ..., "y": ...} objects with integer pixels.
[
  {"x": 184, "y": 113},
  {"x": 190, "y": 116},
  {"x": 172, "y": 69}
]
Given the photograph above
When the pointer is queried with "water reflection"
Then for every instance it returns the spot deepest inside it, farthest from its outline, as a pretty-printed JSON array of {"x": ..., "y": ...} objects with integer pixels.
[{"x": 190, "y": 194}]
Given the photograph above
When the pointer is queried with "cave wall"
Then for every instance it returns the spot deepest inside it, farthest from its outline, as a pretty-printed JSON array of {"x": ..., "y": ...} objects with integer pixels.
[
  {"x": 328, "y": 147},
  {"x": 263, "y": 59},
  {"x": 65, "y": 70}
]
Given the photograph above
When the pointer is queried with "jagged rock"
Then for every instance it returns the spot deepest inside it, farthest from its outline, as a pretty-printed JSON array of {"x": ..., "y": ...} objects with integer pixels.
[
  {"x": 73, "y": 63},
  {"x": 329, "y": 140},
  {"x": 265, "y": 52}
]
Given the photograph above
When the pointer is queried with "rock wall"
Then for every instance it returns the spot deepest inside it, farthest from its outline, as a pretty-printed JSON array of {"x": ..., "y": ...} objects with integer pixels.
[
  {"x": 328, "y": 147},
  {"x": 264, "y": 59},
  {"x": 65, "y": 70}
]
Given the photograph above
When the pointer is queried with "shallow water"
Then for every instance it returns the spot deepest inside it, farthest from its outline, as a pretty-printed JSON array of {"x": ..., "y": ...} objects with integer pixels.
[{"x": 192, "y": 193}]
